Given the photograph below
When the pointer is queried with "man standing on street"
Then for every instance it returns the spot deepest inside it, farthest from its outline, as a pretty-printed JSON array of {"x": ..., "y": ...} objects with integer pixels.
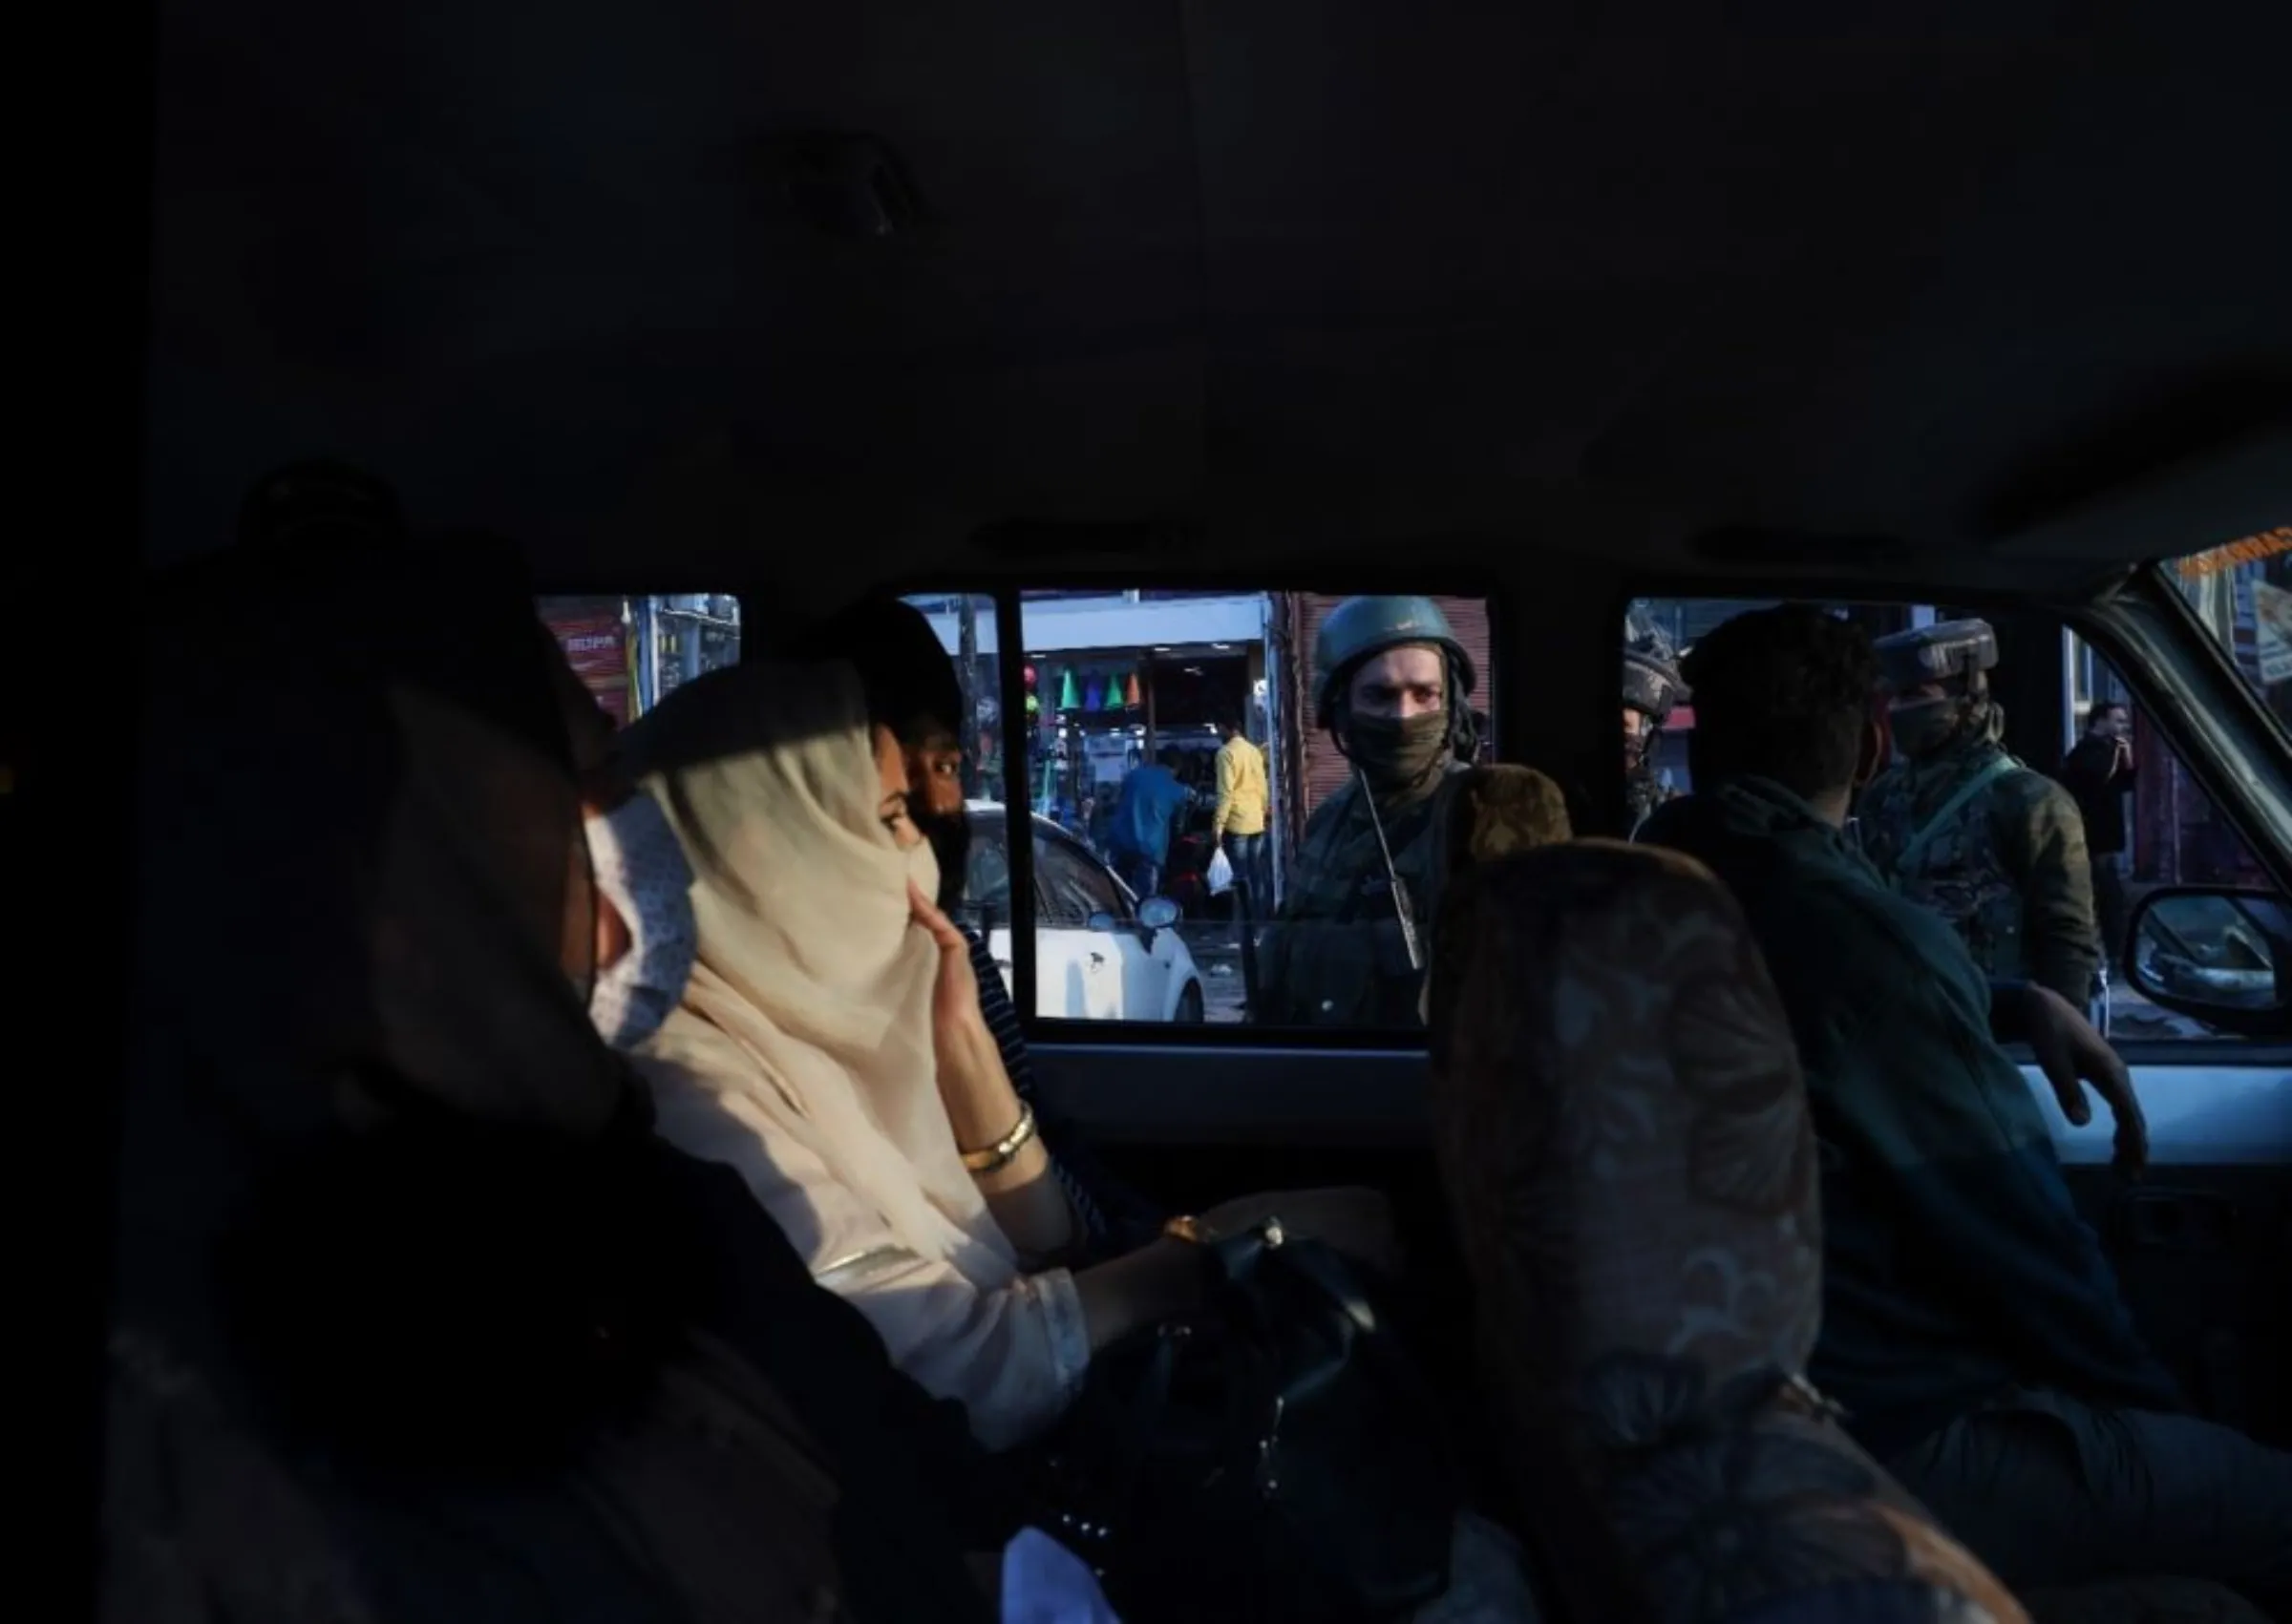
[
  {"x": 1238, "y": 826},
  {"x": 1145, "y": 817},
  {"x": 1960, "y": 827},
  {"x": 1346, "y": 947},
  {"x": 1651, "y": 688},
  {"x": 2099, "y": 772}
]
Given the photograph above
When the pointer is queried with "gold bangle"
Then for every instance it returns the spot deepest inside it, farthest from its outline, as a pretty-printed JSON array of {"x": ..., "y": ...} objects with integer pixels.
[{"x": 999, "y": 1156}]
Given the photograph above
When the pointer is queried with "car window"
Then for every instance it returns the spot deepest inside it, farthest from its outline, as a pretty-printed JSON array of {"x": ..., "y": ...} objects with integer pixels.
[
  {"x": 631, "y": 652},
  {"x": 2242, "y": 592},
  {"x": 1113, "y": 736},
  {"x": 2146, "y": 823},
  {"x": 1074, "y": 885},
  {"x": 1128, "y": 697},
  {"x": 2165, "y": 828}
]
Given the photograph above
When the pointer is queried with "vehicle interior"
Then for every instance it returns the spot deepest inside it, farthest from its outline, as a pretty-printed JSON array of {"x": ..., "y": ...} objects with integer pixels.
[{"x": 1553, "y": 306}]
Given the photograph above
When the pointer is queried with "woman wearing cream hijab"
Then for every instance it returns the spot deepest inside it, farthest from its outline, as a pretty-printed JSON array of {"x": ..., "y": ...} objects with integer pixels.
[{"x": 830, "y": 1048}]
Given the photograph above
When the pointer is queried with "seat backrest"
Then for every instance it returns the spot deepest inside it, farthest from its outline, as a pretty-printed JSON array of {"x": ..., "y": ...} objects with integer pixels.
[{"x": 1622, "y": 1128}]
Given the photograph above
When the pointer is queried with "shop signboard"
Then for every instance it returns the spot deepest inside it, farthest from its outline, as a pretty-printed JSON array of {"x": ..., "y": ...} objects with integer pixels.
[
  {"x": 597, "y": 645},
  {"x": 2272, "y": 625}
]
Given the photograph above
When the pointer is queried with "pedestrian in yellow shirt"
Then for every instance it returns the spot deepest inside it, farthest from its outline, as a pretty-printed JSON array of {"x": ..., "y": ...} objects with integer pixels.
[{"x": 1239, "y": 824}]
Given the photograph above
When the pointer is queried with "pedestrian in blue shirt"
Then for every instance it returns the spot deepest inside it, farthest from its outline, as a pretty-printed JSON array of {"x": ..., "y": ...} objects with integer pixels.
[{"x": 1145, "y": 818}]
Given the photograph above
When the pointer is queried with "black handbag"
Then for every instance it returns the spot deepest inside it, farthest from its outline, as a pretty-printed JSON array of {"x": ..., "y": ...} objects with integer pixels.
[{"x": 1276, "y": 1456}]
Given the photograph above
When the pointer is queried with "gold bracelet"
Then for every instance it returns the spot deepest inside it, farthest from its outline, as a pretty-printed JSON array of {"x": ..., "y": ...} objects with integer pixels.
[{"x": 998, "y": 1155}]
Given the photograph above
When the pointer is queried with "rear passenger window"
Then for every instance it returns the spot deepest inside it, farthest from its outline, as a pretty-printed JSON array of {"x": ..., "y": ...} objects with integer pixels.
[
  {"x": 2145, "y": 822},
  {"x": 633, "y": 652},
  {"x": 1160, "y": 725},
  {"x": 1129, "y": 702}
]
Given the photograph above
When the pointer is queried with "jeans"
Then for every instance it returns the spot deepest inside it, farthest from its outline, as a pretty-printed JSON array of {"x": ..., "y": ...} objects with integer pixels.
[
  {"x": 2108, "y": 907},
  {"x": 1247, "y": 854},
  {"x": 1142, "y": 874},
  {"x": 2050, "y": 1492}
]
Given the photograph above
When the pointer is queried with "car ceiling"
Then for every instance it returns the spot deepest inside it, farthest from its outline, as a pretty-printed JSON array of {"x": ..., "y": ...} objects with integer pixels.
[{"x": 1273, "y": 282}]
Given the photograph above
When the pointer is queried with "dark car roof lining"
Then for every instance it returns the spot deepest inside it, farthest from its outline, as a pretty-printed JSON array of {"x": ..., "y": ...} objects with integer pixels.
[{"x": 1307, "y": 280}]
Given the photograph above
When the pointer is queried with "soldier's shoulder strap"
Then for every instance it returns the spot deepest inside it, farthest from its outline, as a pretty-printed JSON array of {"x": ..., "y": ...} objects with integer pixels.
[{"x": 1990, "y": 771}]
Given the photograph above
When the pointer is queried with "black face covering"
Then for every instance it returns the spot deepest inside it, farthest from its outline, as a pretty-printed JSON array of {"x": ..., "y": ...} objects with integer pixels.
[
  {"x": 1396, "y": 754},
  {"x": 949, "y": 836}
]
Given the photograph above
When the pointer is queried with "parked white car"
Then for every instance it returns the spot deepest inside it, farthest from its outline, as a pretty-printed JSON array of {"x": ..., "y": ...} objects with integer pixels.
[{"x": 1100, "y": 952}]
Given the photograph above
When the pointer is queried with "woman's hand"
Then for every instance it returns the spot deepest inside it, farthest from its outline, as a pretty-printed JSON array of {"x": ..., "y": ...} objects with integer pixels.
[
  {"x": 1354, "y": 1221},
  {"x": 955, "y": 1012},
  {"x": 982, "y": 1103}
]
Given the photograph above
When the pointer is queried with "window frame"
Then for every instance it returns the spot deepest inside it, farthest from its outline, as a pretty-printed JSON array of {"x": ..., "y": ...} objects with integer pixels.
[
  {"x": 1009, "y": 597},
  {"x": 2184, "y": 683},
  {"x": 2146, "y": 619}
]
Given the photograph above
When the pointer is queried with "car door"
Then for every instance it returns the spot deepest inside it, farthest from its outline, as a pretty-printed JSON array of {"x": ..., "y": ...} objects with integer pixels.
[
  {"x": 2199, "y": 1245},
  {"x": 2203, "y": 1243},
  {"x": 1080, "y": 972}
]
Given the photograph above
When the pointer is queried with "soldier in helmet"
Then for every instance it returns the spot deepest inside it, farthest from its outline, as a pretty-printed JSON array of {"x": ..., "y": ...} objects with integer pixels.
[
  {"x": 1651, "y": 687},
  {"x": 1962, "y": 827},
  {"x": 1350, "y": 942}
]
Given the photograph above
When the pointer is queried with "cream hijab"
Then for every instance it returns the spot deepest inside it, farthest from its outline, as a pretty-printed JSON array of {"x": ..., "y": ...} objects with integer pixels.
[{"x": 808, "y": 1016}]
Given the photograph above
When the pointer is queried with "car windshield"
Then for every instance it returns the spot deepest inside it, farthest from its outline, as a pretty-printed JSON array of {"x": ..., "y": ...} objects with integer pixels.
[{"x": 987, "y": 875}]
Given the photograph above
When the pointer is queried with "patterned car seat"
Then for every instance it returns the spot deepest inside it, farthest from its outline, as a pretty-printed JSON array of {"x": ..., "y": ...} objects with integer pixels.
[{"x": 1622, "y": 1126}]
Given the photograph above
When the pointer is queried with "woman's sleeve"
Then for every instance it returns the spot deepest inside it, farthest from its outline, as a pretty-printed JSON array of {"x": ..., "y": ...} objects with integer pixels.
[{"x": 1014, "y": 1358}]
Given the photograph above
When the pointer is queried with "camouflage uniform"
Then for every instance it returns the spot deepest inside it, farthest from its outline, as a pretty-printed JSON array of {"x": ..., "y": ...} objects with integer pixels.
[
  {"x": 1994, "y": 848},
  {"x": 1651, "y": 687},
  {"x": 1337, "y": 953}
]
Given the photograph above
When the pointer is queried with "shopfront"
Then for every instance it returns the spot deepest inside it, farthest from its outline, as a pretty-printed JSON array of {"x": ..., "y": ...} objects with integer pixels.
[{"x": 1110, "y": 680}]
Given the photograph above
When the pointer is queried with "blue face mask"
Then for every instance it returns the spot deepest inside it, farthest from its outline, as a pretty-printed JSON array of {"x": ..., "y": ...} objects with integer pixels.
[{"x": 640, "y": 868}]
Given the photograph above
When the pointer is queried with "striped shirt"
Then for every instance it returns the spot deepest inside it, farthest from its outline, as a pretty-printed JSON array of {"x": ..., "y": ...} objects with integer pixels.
[{"x": 1114, "y": 1219}]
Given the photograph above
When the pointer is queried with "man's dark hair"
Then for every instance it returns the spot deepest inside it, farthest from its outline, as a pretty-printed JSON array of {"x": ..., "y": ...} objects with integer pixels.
[
  {"x": 2106, "y": 708},
  {"x": 909, "y": 677},
  {"x": 1171, "y": 757},
  {"x": 1782, "y": 693}
]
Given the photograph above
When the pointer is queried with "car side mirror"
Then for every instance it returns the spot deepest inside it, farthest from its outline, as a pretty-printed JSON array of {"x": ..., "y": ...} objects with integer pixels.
[
  {"x": 2217, "y": 955},
  {"x": 1158, "y": 912}
]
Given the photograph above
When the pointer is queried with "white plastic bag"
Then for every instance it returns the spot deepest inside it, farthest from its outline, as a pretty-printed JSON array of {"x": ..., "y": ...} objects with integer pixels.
[{"x": 1221, "y": 872}]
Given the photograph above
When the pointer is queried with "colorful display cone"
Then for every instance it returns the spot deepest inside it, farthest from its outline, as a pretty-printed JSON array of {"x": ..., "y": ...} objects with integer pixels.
[
  {"x": 1130, "y": 691},
  {"x": 1068, "y": 698}
]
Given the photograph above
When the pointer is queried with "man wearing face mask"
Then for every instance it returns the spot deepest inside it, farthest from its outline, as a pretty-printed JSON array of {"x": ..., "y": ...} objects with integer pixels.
[
  {"x": 1349, "y": 944},
  {"x": 1962, "y": 827},
  {"x": 1651, "y": 687},
  {"x": 1973, "y": 1328}
]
